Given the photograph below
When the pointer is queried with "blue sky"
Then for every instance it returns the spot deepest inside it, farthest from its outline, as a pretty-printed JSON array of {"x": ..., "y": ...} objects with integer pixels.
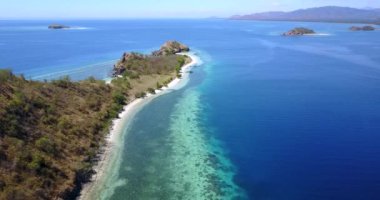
[{"x": 50, "y": 9}]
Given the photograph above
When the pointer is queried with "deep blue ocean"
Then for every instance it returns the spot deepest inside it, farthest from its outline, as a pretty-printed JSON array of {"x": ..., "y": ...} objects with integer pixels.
[{"x": 264, "y": 117}]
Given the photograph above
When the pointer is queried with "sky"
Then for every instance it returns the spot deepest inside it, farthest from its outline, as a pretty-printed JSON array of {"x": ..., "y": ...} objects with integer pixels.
[{"x": 109, "y": 9}]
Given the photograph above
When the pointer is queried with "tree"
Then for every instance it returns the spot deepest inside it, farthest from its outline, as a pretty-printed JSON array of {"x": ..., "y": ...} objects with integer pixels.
[
  {"x": 118, "y": 98},
  {"x": 151, "y": 90}
]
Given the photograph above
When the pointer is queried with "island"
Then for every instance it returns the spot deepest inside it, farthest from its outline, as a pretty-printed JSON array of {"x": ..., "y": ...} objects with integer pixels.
[
  {"x": 333, "y": 14},
  {"x": 363, "y": 28},
  {"x": 58, "y": 26},
  {"x": 53, "y": 132},
  {"x": 298, "y": 32}
]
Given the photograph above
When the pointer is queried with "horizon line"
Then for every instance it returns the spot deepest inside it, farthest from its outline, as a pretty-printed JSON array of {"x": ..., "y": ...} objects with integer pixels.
[{"x": 167, "y": 17}]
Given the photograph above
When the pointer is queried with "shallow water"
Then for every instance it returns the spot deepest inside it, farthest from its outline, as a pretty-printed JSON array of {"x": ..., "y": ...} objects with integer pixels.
[{"x": 265, "y": 116}]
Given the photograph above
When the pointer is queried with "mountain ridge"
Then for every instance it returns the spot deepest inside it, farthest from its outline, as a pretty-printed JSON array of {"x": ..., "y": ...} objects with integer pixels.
[{"x": 318, "y": 14}]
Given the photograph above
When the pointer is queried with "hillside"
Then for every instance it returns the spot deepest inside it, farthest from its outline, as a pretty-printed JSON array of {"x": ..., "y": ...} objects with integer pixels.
[
  {"x": 52, "y": 132},
  {"x": 321, "y": 14}
]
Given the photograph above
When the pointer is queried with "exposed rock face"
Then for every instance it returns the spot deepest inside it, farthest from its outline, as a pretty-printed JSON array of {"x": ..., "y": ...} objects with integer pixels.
[
  {"x": 364, "y": 28},
  {"x": 57, "y": 26},
  {"x": 170, "y": 48},
  {"x": 119, "y": 68},
  {"x": 298, "y": 31}
]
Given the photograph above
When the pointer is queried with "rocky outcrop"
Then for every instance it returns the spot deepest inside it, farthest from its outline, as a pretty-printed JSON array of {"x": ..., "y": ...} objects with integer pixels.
[
  {"x": 127, "y": 57},
  {"x": 57, "y": 26},
  {"x": 363, "y": 28},
  {"x": 298, "y": 32},
  {"x": 170, "y": 48}
]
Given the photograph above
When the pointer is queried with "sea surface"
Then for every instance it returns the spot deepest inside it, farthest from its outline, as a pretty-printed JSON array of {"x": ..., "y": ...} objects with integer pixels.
[{"x": 264, "y": 117}]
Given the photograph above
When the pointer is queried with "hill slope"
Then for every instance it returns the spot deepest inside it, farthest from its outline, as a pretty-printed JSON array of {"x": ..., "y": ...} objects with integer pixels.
[
  {"x": 51, "y": 132},
  {"x": 321, "y": 14}
]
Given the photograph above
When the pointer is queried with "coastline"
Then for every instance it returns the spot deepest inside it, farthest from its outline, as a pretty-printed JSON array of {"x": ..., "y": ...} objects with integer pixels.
[{"x": 114, "y": 141}]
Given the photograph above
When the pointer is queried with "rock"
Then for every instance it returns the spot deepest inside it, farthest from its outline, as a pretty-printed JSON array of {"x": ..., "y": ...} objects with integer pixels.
[
  {"x": 119, "y": 67},
  {"x": 298, "y": 32},
  {"x": 170, "y": 48},
  {"x": 364, "y": 28},
  {"x": 57, "y": 26}
]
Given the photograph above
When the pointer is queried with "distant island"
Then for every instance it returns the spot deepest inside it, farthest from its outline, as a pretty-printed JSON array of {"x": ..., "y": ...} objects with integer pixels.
[
  {"x": 52, "y": 132},
  {"x": 58, "y": 26},
  {"x": 299, "y": 32},
  {"x": 321, "y": 14},
  {"x": 363, "y": 28}
]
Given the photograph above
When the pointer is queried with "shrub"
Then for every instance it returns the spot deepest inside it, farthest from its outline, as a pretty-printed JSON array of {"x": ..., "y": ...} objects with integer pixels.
[
  {"x": 64, "y": 123},
  {"x": 151, "y": 90},
  {"x": 5, "y": 75},
  {"x": 118, "y": 98},
  {"x": 63, "y": 82},
  {"x": 37, "y": 162},
  {"x": 140, "y": 95},
  {"x": 91, "y": 79},
  {"x": 181, "y": 60},
  {"x": 131, "y": 74},
  {"x": 158, "y": 85},
  {"x": 45, "y": 144},
  {"x": 178, "y": 68}
]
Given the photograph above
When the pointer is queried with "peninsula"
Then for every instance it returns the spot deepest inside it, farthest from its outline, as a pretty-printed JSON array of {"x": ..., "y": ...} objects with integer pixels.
[{"x": 51, "y": 132}]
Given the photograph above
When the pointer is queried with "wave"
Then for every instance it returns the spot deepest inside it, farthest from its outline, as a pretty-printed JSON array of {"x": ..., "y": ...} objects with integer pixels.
[
  {"x": 319, "y": 34},
  {"x": 78, "y": 28}
]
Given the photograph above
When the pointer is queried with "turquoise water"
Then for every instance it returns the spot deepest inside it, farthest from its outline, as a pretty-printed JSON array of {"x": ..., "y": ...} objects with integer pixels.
[{"x": 265, "y": 116}]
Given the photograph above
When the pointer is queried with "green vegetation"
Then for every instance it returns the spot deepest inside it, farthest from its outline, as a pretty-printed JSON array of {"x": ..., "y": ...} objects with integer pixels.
[
  {"x": 51, "y": 132},
  {"x": 140, "y": 95},
  {"x": 151, "y": 90}
]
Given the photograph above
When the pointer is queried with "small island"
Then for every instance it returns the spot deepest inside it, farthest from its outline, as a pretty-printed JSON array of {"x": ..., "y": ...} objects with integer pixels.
[
  {"x": 364, "y": 28},
  {"x": 58, "y": 26},
  {"x": 299, "y": 32}
]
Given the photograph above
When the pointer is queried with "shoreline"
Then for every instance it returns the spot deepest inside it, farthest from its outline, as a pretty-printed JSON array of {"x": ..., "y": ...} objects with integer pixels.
[{"x": 114, "y": 140}]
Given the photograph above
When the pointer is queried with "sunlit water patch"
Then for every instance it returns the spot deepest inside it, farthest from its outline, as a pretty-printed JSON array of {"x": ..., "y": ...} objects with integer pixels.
[{"x": 198, "y": 167}]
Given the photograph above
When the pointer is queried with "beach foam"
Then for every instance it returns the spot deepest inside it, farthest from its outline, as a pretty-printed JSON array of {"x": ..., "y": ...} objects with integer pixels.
[
  {"x": 319, "y": 34},
  {"x": 77, "y": 28}
]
